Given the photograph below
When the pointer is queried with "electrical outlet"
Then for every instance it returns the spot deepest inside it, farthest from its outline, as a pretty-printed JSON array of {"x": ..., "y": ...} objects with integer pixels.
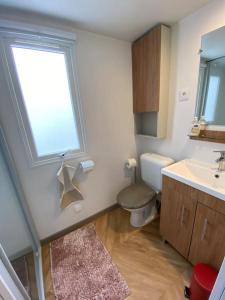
[{"x": 77, "y": 207}]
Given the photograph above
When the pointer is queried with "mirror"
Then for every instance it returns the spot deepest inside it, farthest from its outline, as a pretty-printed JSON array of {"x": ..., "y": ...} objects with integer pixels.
[{"x": 211, "y": 82}]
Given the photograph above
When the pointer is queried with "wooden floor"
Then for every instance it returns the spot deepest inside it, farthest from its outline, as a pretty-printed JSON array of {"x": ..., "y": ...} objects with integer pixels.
[
  {"x": 29, "y": 267},
  {"x": 152, "y": 269}
]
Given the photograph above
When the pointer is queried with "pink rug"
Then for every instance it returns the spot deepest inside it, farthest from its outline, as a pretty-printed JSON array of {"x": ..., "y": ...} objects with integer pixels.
[{"x": 82, "y": 268}]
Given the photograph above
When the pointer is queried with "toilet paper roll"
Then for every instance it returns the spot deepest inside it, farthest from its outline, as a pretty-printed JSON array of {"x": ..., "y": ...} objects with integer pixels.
[{"x": 131, "y": 163}]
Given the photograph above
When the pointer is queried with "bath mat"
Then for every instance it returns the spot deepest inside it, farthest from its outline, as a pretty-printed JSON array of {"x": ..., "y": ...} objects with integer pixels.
[{"x": 82, "y": 268}]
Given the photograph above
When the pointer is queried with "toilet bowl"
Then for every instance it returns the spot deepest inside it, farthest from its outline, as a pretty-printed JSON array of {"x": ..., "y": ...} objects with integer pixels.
[
  {"x": 142, "y": 199},
  {"x": 143, "y": 215}
]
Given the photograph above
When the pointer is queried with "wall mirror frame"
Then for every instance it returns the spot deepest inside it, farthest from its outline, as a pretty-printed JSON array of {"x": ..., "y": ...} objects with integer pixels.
[{"x": 210, "y": 100}]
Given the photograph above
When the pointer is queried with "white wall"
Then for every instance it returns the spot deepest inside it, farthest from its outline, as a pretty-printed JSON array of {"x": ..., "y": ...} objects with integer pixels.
[
  {"x": 104, "y": 71},
  {"x": 186, "y": 41}
]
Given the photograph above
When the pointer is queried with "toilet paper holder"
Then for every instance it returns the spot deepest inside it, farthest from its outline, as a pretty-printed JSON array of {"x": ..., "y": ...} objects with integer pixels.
[
  {"x": 87, "y": 165},
  {"x": 131, "y": 163}
]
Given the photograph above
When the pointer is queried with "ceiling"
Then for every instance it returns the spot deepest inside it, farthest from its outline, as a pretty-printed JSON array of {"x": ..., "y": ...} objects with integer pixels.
[{"x": 123, "y": 19}]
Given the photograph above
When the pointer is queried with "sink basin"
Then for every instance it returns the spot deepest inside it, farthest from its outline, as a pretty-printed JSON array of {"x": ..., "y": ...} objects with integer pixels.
[{"x": 199, "y": 175}]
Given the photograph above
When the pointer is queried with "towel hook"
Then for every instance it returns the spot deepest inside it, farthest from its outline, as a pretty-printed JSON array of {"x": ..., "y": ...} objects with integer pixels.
[{"x": 63, "y": 156}]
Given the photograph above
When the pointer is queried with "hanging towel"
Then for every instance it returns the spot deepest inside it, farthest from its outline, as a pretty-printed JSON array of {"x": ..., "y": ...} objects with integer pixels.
[{"x": 69, "y": 193}]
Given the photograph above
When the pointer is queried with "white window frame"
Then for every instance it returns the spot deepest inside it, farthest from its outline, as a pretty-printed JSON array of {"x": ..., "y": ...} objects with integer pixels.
[{"x": 60, "y": 44}]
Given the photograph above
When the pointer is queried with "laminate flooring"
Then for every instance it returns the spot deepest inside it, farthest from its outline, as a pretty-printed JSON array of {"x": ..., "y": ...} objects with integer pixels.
[{"x": 152, "y": 268}]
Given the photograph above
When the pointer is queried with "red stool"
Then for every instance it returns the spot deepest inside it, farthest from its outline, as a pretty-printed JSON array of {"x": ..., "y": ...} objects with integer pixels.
[{"x": 202, "y": 282}]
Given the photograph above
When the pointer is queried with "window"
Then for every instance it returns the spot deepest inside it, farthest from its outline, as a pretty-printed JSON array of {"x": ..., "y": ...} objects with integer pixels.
[
  {"x": 212, "y": 98},
  {"x": 44, "y": 88}
]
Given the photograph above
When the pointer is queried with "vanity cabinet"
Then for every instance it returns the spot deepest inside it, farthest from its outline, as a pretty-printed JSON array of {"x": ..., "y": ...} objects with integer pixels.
[
  {"x": 177, "y": 214},
  {"x": 208, "y": 240},
  {"x": 193, "y": 222}
]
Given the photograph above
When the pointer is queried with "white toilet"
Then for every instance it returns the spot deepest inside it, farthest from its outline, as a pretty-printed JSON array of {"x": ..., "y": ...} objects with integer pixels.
[{"x": 142, "y": 199}]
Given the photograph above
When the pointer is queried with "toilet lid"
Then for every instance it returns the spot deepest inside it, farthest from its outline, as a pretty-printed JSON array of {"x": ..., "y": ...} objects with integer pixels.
[{"x": 135, "y": 196}]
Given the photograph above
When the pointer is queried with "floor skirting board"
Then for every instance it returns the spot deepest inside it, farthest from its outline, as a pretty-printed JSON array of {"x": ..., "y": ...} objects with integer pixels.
[{"x": 78, "y": 225}]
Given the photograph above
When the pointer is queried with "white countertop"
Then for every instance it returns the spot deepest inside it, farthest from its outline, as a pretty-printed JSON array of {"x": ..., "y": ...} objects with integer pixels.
[{"x": 199, "y": 175}]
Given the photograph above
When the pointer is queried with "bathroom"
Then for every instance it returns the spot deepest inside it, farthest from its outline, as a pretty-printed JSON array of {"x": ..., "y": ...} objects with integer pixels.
[{"x": 102, "y": 34}]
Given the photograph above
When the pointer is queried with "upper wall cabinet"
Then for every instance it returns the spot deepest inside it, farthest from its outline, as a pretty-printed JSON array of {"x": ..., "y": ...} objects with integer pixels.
[{"x": 150, "y": 61}]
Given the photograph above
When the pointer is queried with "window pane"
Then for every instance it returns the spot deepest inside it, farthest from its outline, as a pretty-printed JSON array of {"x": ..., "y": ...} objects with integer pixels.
[
  {"x": 44, "y": 82},
  {"x": 212, "y": 98}
]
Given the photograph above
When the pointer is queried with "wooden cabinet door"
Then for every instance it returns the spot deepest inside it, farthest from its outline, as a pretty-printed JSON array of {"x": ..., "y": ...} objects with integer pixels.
[
  {"x": 208, "y": 240},
  {"x": 146, "y": 53},
  {"x": 177, "y": 214}
]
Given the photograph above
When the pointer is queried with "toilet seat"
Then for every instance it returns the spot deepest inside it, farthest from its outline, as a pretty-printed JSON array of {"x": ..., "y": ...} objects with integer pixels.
[{"x": 135, "y": 196}]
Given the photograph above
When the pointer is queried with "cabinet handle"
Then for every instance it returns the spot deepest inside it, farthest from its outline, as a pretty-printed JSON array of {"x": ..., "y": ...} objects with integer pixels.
[
  {"x": 204, "y": 229},
  {"x": 182, "y": 215}
]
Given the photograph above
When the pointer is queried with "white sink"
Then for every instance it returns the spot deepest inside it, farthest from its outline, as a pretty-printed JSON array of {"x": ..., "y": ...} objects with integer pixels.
[{"x": 201, "y": 176}]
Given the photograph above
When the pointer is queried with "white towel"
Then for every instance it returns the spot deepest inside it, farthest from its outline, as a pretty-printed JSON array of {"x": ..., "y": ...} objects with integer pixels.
[{"x": 69, "y": 193}]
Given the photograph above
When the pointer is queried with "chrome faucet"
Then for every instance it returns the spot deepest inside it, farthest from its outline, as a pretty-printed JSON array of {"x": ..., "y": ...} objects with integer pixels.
[{"x": 221, "y": 160}]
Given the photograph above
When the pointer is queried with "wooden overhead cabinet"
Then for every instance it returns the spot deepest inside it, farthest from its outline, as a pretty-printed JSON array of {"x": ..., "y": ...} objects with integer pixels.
[{"x": 150, "y": 64}]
